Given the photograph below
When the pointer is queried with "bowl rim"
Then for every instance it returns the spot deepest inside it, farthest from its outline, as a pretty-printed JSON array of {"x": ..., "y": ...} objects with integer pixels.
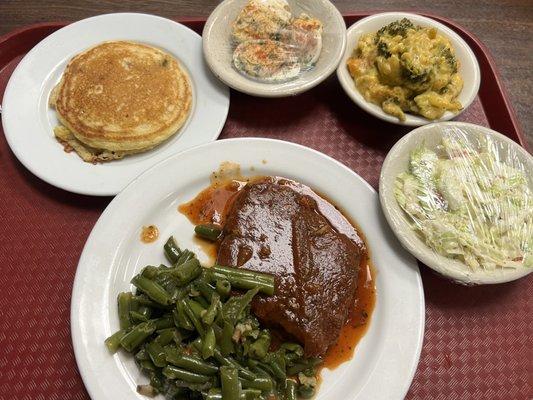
[
  {"x": 348, "y": 85},
  {"x": 397, "y": 220},
  {"x": 272, "y": 89}
]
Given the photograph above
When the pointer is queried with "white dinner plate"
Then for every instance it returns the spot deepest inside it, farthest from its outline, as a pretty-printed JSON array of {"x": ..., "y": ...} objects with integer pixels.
[
  {"x": 28, "y": 121},
  {"x": 386, "y": 358}
]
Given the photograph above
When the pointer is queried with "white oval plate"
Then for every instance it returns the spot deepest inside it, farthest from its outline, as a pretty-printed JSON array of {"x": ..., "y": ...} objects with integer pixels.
[
  {"x": 385, "y": 359},
  {"x": 468, "y": 68},
  {"x": 28, "y": 121}
]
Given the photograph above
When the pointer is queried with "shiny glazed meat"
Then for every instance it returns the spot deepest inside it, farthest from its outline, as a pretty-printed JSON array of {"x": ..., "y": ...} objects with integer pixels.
[{"x": 283, "y": 228}]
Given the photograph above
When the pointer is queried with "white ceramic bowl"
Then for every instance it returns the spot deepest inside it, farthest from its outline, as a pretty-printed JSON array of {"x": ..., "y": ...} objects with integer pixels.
[
  {"x": 469, "y": 67},
  {"x": 218, "y": 50},
  {"x": 397, "y": 161}
]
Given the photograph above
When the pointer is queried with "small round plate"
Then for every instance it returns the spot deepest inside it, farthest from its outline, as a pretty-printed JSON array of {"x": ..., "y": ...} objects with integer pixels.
[
  {"x": 468, "y": 68},
  {"x": 218, "y": 49},
  {"x": 386, "y": 358},
  {"x": 28, "y": 121}
]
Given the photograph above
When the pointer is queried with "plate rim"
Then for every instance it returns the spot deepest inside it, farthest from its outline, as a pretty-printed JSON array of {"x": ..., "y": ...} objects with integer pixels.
[
  {"x": 81, "y": 188},
  {"x": 413, "y": 358}
]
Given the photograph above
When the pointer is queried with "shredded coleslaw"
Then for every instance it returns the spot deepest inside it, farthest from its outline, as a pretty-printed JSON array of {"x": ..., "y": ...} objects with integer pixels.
[{"x": 468, "y": 204}]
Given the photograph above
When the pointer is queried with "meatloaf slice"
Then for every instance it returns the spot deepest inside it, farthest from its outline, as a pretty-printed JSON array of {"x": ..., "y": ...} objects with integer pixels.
[{"x": 283, "y": 228}]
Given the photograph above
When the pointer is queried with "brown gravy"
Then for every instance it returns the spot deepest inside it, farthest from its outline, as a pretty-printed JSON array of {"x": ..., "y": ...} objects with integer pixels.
[
  {"x": 149, "y": 234},
  {"x": 359, "y": 320},
  {"x": 212, "y": 204}
]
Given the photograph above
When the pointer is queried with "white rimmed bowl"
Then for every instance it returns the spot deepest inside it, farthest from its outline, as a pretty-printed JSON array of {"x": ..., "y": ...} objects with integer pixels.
[
  {"x": 218, "y": 50},
  {"x": 397, "y": 162},
  {"x": 468, "y": 69}
]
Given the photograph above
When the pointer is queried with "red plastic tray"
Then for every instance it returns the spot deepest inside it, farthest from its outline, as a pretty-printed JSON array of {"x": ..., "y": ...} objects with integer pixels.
[{"x": 477, "y": 343}]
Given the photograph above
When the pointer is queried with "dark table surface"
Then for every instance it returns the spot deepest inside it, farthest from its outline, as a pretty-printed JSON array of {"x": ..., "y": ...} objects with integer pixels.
[{"x": 504, "y": 26}]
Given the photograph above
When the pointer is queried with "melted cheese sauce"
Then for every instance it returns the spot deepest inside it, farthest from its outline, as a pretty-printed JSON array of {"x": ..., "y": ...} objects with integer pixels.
[{"x": 407, "y": 68}]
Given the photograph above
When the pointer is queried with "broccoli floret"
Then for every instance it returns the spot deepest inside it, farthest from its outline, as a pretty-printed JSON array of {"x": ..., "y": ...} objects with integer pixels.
[
  {"x": 396, "y": 28},
  {"x": 414, "y": 73},
  {"x": 383, "y": 49},
  {"x": 446, "y": 53}
]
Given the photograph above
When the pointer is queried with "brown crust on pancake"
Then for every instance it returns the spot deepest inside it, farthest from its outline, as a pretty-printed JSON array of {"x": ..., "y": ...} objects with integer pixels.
[{"x": 123, "y": 96}]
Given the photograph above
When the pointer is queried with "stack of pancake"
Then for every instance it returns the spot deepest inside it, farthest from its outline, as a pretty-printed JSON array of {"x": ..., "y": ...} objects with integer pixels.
[{"x": 120, "y": 98}]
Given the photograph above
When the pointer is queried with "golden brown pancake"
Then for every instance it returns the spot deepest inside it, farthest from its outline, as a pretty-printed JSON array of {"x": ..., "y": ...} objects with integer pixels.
[{"x": 121, "y": 97}]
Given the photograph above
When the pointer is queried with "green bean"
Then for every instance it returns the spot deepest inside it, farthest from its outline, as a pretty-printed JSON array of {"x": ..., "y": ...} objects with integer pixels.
[
  {"x": 241, "y": 272},
  {"x": 180, "y": 316},
  {"x": 235, "y": 306},
  {"x": 190, "y": 363},
  {"x": 205, "y": 289},
  {"x": 197, "y": 344},
  {"x": 124, "y": 303},
  {"x": 263, "y": 384},
  {"x": 185, "y": 256},
  {"x": 146, "y": 365},
  {"x": 251, "y": 394},
  {"x": 259, "y": 348},
  {"x": 188, "y": 271},
  {"x": 226, "y": 340},
  {"x": 203, "y": 302},
  {"x": 151, "y": 289},
  {"x": 246, "y": 280},
  {"x": 113, "y": 342},
  {"x": 172, "y": 372},
  {"x": 163, "y": 322},
  {"x": 306, "y": 392},
  {"x": 150, "y": 272},
  {"x": 156, "y": 353},
  {"x": 138, "y": 317},
  {"x": 230, "y": 362},
  {"x": 142, "y": 300},
  {"x": 208, "y": 343},
  {"x": 293, "y": 348},
  {"x": 197, "y": 308},
  {"x": 209, "y": 315},
  {"x": 267, "y": 369},
  {"x": 134, "y": 338},
  {"x": 290, "y": 390},
  {"x": 208, "y": 231},
  {"x": 193, "y": 316},
  {"x": 156, "y": 382},
  {"x": 141, "y": 355},
  {"x": 223, "y": 288},
  {"x": 218, "y": 331},
  {"x": 260, "y": 372},
  {"x": 245, "y": 283},
  {"x": 166, "y": 336},
  {"x": 302, "y": 365},
  {"x": 277, "y": 369},
  {"x": 172, "y": 251},
  {"x": 229, "y": 378}
]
